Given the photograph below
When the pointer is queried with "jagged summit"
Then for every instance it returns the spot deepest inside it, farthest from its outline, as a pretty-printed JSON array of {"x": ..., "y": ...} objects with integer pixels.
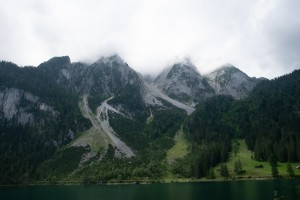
[
  {"x": 112, "y": 60},
  {"x": 56, "y": 61},
  {"x": 186, "y": 62},
  {"x": 229, "y": 80},
  {"x": 227, "y": 65},
  {"x": 225, "y": 70},
  {"x": 181, "y": 67},
  {"x": 183, "y": 82}
]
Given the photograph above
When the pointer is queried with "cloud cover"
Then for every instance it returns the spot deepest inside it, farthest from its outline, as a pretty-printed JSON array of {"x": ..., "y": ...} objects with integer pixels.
[{"x": 261, "y": 37}]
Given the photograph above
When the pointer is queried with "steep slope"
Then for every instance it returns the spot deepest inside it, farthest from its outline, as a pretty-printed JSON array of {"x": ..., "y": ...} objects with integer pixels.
[
  {"x": 13, "y": 107},
  {"x": 154, "y": 94},
  {"x": 101, "y": 127},
  {"x": 42, "y": 104},
  {"x": 109, "y": 76},
  {"x": 109, "y": 84},
  {"x": 103, "y": 120},
  {"x": 35, "y": 120},
  {"x": 268, "y": 119},
  {"x": 229, "y": 80},
  {"x": 183, "y": 82},
  {"x": 31, "y": 97}
]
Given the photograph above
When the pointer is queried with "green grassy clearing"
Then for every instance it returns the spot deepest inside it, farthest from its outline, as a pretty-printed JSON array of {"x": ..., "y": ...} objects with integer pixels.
[
  {"x": 180, "y": 149},
  {"x": 248, "y": 164},
  {"x": 93, "y": 139}
]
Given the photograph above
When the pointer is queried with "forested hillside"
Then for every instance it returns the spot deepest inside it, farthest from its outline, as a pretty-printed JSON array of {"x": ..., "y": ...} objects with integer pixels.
[
  {"x": 64, "y": 121},
  {"x": 56, "y": 120},
  {"x": 269, "y": 120}
]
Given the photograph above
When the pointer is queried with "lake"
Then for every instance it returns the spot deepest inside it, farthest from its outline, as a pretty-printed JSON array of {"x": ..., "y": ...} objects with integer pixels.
[{"x": 252, "y": 190}]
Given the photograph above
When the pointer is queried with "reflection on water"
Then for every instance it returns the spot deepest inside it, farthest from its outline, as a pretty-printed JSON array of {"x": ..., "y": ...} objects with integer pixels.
[{"x": 269, "y": 189}]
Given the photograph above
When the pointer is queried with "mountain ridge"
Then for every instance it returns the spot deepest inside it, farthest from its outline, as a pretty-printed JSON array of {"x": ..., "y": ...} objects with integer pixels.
[{"x": 128, "y": 117}]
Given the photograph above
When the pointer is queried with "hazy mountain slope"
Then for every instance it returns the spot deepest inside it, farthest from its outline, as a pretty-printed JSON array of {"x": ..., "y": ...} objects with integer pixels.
[
  {"x": 154, "y": 93},
  {"x": 107, "y": 77},
  {"x": 183, "y": 82},
  {"x": 35, "y": 120},
  {"x": 229, "y": 80}
]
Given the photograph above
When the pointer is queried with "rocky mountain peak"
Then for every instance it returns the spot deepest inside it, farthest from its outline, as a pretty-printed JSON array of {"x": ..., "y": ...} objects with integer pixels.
[
  {"x": 229, "y": 80},
  {"x": 177, "y": 70},
  {"x": 225, "y": 70},
  {"x": 183, "y": 82},
  {"x": 57, "y": 62},
  {"x": 113, "y": 60},
  {"x": 187, "y": 63}
]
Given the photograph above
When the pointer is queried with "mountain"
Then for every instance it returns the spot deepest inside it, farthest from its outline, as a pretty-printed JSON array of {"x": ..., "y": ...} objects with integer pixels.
[
  {"x": 268, "y": 119},
  {"x": 229, "y": 80},
  {"x": 183, "y": 82},
  {"x": 107, "y": 77},
  {"x": 104, "y": 121},
  {"x": 37, "y": 116},
  {"x": 107, "y": 86},
  {"x": 92, "y": 109}
]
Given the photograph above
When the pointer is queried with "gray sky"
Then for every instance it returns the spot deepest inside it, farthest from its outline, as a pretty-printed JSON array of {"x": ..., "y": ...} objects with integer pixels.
[{"x": 261, "y": 37}]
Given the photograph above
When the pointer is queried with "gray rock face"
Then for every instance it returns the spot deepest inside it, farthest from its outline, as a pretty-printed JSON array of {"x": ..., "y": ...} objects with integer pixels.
[
  {"x": 17, "y": 104},
  {"x": 183, "y": 82},
  {"x": 10, "y": 101},
  {"x": 107, "y": 77},
  {"x": 228, "y": 80},
  {"x": 104, "y": 77}
]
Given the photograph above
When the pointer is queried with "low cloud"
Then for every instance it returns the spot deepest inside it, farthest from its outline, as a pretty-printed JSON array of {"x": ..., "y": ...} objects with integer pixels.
[{"x": 260, "y": 37}]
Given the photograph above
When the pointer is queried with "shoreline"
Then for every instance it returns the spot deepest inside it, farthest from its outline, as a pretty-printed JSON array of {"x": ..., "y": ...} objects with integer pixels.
[{"x": 145, "y": 182}]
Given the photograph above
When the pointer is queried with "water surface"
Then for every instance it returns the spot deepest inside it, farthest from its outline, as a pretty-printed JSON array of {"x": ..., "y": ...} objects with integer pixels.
[{"x": 252, "y": 190}]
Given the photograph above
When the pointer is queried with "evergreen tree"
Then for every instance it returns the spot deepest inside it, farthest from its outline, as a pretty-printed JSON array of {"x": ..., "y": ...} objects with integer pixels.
[
  {"x": 211, "y": 174},
  {"x": 236, "y": 148},
  {"x": 224, "y": 171},
  {"x": 236, "y": 167},
  {"x": 273, "y": 163},
  {"x": 290, "y": 170},
  {"x": 274, "y": 171}
]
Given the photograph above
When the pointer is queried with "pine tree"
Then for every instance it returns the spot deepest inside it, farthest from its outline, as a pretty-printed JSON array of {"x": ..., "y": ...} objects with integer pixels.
[
  {"x": 273, "y": 163},
  {"x": 236, "y": 167},
  {"x": 236, "y": 148},
  {"x": 290, "y": 170},
  {"x": 224, "y": 171},
  {"x": 274, "y": 171},
  {"x": 211, "y": 174}
]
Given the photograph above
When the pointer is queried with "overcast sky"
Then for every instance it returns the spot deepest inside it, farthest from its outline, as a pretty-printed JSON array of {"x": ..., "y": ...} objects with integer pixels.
[{"x": 261, "y": 37}]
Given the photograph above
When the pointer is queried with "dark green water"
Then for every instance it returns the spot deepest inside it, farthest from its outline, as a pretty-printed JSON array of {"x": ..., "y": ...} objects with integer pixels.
[{"x": 254, "y": 190}]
